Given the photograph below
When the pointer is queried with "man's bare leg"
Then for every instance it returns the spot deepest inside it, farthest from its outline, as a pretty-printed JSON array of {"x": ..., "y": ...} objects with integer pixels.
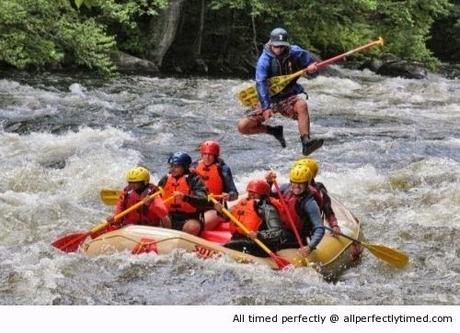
[{"x": 249, "y": 126}]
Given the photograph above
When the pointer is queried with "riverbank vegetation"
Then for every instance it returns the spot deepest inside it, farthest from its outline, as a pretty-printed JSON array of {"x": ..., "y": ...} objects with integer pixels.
[{"x": 217, "y": 36}]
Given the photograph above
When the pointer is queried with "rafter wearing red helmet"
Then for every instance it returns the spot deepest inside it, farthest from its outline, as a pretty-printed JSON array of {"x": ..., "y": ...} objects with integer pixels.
[
  {"x": 217, "y": 177},
  {"x": 260, "y": 217}
]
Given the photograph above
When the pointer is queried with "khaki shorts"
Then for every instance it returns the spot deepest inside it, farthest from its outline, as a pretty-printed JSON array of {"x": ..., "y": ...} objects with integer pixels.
[{"x": 284, "y": 107}]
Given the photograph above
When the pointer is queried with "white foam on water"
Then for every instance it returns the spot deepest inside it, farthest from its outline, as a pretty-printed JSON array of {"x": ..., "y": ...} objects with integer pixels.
[
  {"x": 331, "y": 85},
  {"x": 78, "y": 90},
  {"x": 49, "y": 180},
  {"x": 392, "y": 158},
  {"x": 429, "y": 192}
]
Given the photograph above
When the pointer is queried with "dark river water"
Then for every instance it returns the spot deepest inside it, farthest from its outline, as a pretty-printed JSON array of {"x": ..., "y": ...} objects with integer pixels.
[{"x": 392, "y": 156}]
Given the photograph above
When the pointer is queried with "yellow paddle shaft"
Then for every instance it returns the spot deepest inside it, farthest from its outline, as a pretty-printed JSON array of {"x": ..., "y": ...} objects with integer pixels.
[{"x": 101, "y": 226}]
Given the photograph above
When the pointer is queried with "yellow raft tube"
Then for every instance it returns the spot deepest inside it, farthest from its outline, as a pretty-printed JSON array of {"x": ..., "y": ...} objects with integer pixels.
[{"x": 332, "y": 255}]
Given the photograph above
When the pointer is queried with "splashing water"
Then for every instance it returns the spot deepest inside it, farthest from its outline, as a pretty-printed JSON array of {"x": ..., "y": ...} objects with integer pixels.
[{"x": 392, "y": 156}]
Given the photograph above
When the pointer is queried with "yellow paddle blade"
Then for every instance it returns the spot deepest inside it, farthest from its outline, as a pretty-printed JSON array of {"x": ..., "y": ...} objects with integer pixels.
[
  {"x": 110, "y": 197},
  {"x": 249, "y": 97},
  {"x": 391, "y": 256}
]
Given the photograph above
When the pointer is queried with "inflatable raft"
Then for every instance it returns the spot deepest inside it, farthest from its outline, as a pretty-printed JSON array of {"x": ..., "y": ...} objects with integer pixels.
[{"x": 331, "y": 257}]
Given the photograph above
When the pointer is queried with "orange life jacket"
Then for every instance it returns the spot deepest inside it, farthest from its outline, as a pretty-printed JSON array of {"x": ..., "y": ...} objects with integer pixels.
[
  {"x": 143, "y": 215},
  {"x": 181, "y": 185},
  {"x": 245, "y": 212},
  {"x": 211, "y": 177},
  {"x": 291, "y": 202}
]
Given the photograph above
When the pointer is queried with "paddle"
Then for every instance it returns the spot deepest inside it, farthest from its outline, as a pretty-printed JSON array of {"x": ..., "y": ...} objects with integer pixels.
[
  {"x": 71, "y": 242},
  {"x": 110, "y": 197},
  {"x": 391, "y": 256},
  {"x": 248, "y": 96},
  {"x": 281, "y": 262},
  {"x": 288, "y": 213}
]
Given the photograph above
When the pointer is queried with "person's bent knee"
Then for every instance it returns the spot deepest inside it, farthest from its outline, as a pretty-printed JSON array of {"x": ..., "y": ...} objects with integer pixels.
[
  {"x": 192, "y": 227},
  {"x": 250, "y": 126},
  {"x": 301, "y": 107},
  {"x": 243, "y": 125},
  {"x": 211, "y": 220}
]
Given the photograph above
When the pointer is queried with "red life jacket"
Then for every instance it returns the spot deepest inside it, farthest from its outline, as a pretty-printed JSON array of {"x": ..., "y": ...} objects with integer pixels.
[
  {"x": 317, "y": 196},
  {"x": 291, "y": 202},
  {"x": 181, "y": 185},
  {"x": 246, "y": 213},
  {"x": 211, "y": 177},
  {"x": 143, "y": 215}
]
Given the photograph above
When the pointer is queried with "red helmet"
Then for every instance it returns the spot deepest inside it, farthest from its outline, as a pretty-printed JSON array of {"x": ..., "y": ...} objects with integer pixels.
[
  {"x": 258, "y": 186},
  {"x": 210, "y": 147}
]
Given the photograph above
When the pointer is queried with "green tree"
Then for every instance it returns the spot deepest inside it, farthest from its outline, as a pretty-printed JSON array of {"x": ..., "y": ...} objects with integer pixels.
[
  {"x": 41, "y": 32},
  {"x": 445, "y": 36},
  {"x": 330, "y": 27},
  {"x": 407, "y": 26},
  {"x": 125, "y": 19},
  {"x": 36, "y": 33}
]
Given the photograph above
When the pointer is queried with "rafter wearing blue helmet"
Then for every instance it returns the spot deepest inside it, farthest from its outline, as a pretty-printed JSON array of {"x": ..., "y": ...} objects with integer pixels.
[{"x": 189, "y": 192}]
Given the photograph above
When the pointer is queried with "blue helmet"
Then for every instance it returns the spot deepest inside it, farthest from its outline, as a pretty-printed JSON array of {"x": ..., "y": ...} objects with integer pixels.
[{"x": 180, "y": 158}]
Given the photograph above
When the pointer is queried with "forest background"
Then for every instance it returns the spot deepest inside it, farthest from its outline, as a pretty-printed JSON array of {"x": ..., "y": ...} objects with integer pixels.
[{"x": 217, "y": 37}]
